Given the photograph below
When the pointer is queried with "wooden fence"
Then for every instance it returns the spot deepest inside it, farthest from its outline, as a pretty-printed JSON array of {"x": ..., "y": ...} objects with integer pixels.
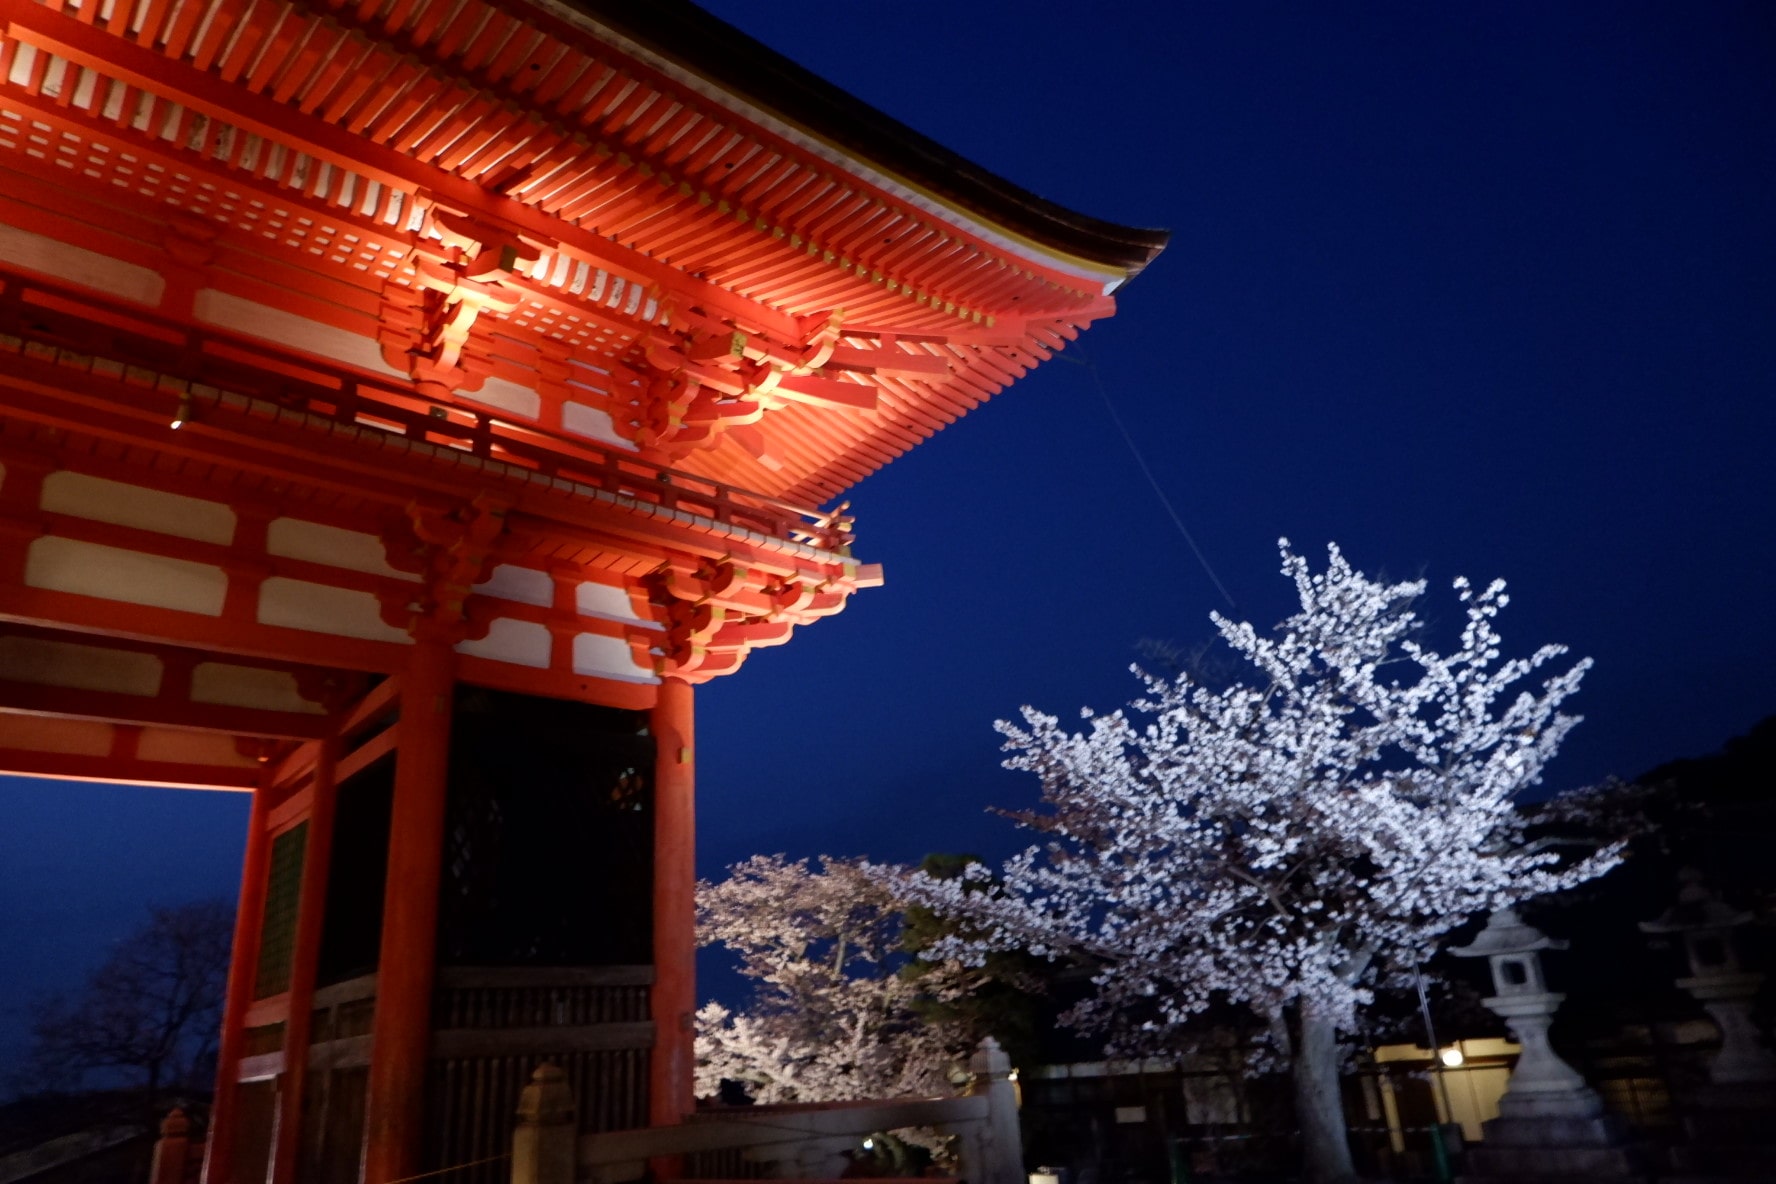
[{"x": 793, "y": 1141}]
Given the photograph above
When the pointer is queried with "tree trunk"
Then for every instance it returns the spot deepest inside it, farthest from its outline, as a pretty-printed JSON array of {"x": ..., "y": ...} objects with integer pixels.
[{"x": 1319, "y": 1108}]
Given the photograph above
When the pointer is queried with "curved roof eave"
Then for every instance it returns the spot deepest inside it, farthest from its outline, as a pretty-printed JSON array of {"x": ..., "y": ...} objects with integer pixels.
[{"x": 711, "y": 48}]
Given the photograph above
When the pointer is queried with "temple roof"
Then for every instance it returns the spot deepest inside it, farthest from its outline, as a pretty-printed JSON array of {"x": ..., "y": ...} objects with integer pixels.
[
  {"x": 622, "y": 222},
  {"x": 714, "y": 49}
]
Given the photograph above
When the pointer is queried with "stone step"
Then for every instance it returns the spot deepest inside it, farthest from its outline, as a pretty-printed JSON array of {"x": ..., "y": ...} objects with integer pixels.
[
  {"x": 1519, "y": 1164},
  {"x": 1599, "y": 1131}
]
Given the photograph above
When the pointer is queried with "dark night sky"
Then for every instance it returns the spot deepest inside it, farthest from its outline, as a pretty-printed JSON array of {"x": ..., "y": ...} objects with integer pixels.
[{"x": 1471, "y": 289}]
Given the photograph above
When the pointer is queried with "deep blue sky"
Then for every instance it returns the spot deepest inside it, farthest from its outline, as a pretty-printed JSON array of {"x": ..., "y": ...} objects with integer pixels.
[{"x": 1482, "y": 289}]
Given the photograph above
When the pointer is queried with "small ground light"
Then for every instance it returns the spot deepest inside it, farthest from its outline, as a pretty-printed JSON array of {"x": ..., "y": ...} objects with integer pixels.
[
  {"x": 1451, "y": 1057},
  {"x": 869, "y": 1144},
  {"x": 182, "y": 415}
]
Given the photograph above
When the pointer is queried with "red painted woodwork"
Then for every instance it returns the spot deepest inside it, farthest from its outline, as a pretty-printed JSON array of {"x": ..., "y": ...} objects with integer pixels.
[
  {"x": 219, "y": 1148},
  {"x": 304, "y": 956},
  {"x": 401, "y": 1034},
  {"x": 624, "y": 514},
  {"x": 125, "y": 770},
  {"x": 496, "y": 343},
  {"x": 70, "y": 703},
  {"x": 671, "y": 1090},
  {"x": 727, "y": 223}
]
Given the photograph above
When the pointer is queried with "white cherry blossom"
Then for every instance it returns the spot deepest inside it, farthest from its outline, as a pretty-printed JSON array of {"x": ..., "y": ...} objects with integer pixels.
[
  {"x": 832, "y": 1018},
  {"x": 1270, "y": 843}
]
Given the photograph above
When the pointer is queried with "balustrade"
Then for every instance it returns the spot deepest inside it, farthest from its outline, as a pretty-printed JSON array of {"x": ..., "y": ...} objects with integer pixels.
[
  {"x": 207, "y": 373},
  {"x": 804, "y": 1141}
]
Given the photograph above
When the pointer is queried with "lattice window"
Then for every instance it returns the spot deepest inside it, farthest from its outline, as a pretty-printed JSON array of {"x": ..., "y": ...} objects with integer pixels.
[{"x": 277, "y": 932}]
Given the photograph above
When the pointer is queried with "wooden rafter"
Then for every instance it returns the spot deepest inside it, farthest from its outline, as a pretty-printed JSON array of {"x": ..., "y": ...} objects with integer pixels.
[{"x": 354, "y": 116}]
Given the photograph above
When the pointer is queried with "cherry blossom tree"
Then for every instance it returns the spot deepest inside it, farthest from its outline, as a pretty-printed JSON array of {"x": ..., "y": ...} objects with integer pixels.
[
  {"x": 833, "y": 1018},
  {"x": 1277, "y": 843}
]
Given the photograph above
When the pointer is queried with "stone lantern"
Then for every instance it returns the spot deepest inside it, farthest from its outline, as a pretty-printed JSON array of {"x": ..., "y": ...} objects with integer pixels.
[
  {"x": 1718, "y": 980},
  {"x": 1542, "y": 1085},
  {"x": 1550, "y": 1122}
]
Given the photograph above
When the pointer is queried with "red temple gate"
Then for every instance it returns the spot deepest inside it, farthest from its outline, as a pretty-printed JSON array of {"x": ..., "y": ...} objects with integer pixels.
[{"x": 403, "y": 405}]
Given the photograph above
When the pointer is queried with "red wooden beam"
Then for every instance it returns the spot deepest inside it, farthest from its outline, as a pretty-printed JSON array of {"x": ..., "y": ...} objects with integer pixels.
[
  {"x": 337, "y": 685},
  {"x": 164, "y": 710},
  {"x": 111, "y": 618},
  {"x": 101, "y": 406},
  {"x": 114, "y": 57},
  {"x": 194, "y": 354},
  {"x": 58, "y": 766}
]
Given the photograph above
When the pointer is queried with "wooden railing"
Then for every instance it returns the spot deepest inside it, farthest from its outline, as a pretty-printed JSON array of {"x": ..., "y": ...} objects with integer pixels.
[
  {"x": 211, "y": 373},
  {"x": 178, "y": 1157},
  {"x": 795, "y": 1141},
  {"x": 493, "y": 1026}
]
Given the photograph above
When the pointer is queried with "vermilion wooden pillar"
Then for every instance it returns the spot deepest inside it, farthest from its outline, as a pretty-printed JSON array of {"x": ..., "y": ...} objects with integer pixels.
[
  {"x": 242, "y": 965},
  {"x": 304, "y": 955},
  {"x": 671, "y": 1090},
  {"x": 400, "y": 1034}
]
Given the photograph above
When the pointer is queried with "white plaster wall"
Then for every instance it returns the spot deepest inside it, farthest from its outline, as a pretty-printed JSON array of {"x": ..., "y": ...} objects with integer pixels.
[
  {"x": 288, "y": 329},
  {"x": 298, "y": 604},
  {"x": 582, "y": 420},
  {"x": 523, "y": 643},
  {"x": 103, "y": 500},
  {"x": 605, "y": 600},
  {"x": 77, "y": 265},
  {"x": 607, "y": 657},
  {"x": 228, "y": 685},
  {"x": 507, "y": 396},
  {"x": 81, "y": 667},
  {"x": 88, "y": 569},
  {"x": 526, "y": 585},
  {"x": 354, "y": 550}
]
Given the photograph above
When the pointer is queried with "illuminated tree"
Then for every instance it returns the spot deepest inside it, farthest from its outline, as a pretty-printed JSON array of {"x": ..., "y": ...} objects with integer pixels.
[
  {"x": 832, "y": 1017},
  {"x": 1278, "y": 843}
]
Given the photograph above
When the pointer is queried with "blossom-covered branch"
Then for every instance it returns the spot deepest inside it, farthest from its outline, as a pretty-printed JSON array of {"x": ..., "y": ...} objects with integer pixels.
[
  {"x": 1268, "y": 843},
  {"x": 833, "y": 1015}
]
